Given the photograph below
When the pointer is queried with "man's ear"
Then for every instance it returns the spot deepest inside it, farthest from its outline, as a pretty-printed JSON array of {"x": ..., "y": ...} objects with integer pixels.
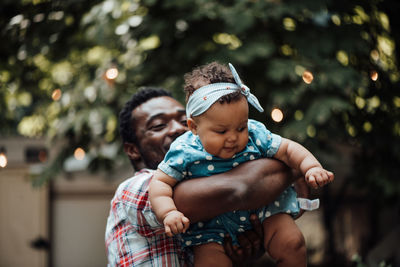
[
  {"x": 132, "y": 151},
  {"x": 192, "y": 125}
]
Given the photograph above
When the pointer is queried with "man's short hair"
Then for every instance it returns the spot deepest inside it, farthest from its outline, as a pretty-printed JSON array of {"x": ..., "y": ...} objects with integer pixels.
[{"x": 126, "y": 129}]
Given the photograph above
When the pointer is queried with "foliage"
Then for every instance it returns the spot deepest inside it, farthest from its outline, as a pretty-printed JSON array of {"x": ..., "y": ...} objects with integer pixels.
[
  {"x": 357, "y": 259},
  {"x": 56, "y": 54}
]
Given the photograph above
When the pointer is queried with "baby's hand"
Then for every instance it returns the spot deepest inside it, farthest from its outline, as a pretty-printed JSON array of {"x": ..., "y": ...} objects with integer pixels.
[
  {"x": 318, "y": 177},
  {"x": 175, "y": 222}
]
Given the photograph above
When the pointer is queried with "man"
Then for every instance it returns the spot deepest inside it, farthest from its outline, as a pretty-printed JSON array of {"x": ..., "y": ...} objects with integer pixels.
[{"x": 149, "y": 123}]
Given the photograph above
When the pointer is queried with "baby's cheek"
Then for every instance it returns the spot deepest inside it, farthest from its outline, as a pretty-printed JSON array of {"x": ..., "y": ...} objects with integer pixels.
[
  {"x": 243, "y": 141},
  {"x": 210, "y": 145}
]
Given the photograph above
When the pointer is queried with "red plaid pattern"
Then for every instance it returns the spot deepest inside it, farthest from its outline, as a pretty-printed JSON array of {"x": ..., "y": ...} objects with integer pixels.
[{"x": 134, "y": 237}]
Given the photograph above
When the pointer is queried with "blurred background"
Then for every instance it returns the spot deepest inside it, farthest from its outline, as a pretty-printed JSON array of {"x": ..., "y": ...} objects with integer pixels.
[{"x": 325, "y": 71}]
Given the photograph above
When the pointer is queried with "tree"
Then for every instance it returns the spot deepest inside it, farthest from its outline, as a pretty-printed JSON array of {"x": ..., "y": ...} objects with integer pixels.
[{"x": 330, "y": 67}]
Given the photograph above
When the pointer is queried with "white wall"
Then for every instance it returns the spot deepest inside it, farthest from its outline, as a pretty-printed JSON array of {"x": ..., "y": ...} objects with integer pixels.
[
  {"x": 23, "y": 209},
  {"x": 79, "y": 211},
  {"x": 78, "y": 232}
]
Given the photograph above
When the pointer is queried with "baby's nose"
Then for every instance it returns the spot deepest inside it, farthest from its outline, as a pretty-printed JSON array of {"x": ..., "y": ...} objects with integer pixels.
[{"x": 232, "y": 137}]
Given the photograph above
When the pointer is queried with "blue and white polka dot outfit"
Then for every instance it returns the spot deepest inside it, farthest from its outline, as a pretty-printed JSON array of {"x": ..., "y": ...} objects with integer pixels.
[{"x": 188, "y": 159}]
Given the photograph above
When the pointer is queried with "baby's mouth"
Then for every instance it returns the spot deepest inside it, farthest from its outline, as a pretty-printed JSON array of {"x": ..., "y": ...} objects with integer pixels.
[{"x": 229, "y": 149}]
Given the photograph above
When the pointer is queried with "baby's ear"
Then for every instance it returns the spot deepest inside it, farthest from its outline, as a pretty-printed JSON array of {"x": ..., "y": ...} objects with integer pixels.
[{"x": 192, "y": 126}]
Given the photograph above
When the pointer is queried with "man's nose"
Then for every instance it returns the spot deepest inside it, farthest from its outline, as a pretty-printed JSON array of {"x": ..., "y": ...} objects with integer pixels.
[{"x": 176, "y": 128}]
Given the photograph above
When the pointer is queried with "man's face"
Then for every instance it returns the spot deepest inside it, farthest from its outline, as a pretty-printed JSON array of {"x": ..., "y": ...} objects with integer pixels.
[{"x": 157, "y": 123}]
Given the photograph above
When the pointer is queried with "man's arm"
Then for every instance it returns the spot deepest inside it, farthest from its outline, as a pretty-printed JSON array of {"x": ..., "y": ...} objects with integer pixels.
[{"x": 250, "y": 185}]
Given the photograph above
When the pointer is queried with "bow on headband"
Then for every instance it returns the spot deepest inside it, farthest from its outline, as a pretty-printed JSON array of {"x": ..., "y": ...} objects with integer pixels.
[{"x": 202, "y": 99}]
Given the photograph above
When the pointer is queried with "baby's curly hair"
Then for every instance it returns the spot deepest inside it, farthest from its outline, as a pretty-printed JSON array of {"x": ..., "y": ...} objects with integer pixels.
[{"x": 213, "y": 72}]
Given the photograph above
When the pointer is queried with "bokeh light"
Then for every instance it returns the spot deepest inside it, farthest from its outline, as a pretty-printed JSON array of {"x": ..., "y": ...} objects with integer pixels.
[
  {"x": 298, "y": 115},
  {"x": 311, "y": 131},
  {"x": 289, "y": 24},
  {"x": 56, "y": 95},
  {"x": 336, "y": 20},
  {"x": 374, "y": 55},
  {"x": 277, "y": 115},
  {"x": 308, "y": 77},
  {"x": 374, "y": 75},
  {"x": 367, "y": 126},
  {"x": 112, "y": 73},
  {"x": 79, "y": 153},
  {"x": 342, "y": 57},
  {"x": 3, "y": 160}
]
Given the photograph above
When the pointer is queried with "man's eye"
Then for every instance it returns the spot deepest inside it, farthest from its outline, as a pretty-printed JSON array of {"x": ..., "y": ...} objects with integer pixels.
[
  {"x": 157, "y": 127},
  {"x": 184, "y": 123}
]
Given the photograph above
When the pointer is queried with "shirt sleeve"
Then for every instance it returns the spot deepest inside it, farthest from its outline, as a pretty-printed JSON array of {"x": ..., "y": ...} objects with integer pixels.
[
  {"x": 133, "y": 235},
  {"x": 266, "y": 141},
  {"x": 175, "y": 161}
]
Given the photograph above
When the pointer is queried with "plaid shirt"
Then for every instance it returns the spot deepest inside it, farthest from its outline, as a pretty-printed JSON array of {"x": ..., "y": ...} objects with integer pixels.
[{"x": 134, "y": 237}]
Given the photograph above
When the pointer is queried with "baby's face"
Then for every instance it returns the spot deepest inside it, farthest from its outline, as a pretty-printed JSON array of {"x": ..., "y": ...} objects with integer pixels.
[{"x": 222, "y": 129}]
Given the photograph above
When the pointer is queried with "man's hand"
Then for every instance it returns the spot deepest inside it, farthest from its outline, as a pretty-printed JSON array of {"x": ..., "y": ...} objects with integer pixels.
[
  {"x": 175, "y": 223},
  {"x": 318, "y": 177},
  {"x": 251, "y": 244}
]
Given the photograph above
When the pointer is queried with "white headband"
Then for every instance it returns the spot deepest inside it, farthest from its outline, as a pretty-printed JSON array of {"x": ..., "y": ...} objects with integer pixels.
[{"x": 202, "y": 99}]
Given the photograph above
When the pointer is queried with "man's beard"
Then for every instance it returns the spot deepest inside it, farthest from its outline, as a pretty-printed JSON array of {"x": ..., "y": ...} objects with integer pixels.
[
  {"x": 151, "y": 164},
  {"x": 151, "y": 160}
]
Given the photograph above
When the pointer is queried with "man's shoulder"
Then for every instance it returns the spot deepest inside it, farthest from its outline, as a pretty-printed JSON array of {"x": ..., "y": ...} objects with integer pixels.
[
  {"x": 137, "y": 183},
  {"x": 139, "y": 176},
  {"x": 131, "y": 202}
]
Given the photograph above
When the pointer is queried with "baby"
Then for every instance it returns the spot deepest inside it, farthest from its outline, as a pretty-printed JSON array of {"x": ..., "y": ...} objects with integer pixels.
[{"x": 221, "y": 137}]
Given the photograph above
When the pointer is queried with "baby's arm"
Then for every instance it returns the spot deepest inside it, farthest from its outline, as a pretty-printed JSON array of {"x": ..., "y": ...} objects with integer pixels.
[
  {"x": 160, "y": 195},
  {"x": 298, "y": 157}
]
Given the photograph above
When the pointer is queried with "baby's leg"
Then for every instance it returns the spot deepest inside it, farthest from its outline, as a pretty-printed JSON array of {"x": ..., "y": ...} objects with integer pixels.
[
  {"x": 211, "y": 254},
  {"x": 284, "y": 241}
]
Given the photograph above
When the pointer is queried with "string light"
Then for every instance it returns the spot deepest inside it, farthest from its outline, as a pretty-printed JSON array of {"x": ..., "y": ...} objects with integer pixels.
[
  {"x": 277, "y": 115},
  {"x": 308, "y": 77},
  {"x": 112, "y": 73},
  {"x": 3, "y": 158},
  {"x": 56, "y": 95},
  {"x": 79, "y": 153},
  {"x": 374, "y": 75}
]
